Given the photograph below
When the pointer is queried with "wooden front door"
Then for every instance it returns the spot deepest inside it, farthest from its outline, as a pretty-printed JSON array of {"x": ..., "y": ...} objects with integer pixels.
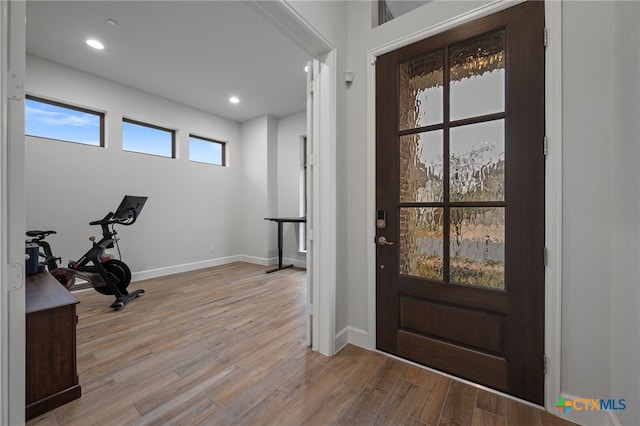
[{"x": 460, "y": 200}]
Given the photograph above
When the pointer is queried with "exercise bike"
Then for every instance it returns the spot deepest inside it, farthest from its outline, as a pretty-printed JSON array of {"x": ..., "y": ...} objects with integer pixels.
[{"x": 104, "y": 273}]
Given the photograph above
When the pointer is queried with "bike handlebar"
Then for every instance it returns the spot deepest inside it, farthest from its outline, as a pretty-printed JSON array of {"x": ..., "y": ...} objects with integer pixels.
[
  {"x": 103, "y": 221},
  {"x": 107, "y": 220},
  {"x": 131, "y": 219}
]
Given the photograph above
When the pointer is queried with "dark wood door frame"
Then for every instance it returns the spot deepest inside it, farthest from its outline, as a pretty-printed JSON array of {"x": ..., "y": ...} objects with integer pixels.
[{"x": 519, "y": 205}]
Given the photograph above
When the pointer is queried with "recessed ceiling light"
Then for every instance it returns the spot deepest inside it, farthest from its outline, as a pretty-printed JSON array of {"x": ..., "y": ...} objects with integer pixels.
[
  {"x": 95, "y": 44},
  {"x": 234, "y": 100},
  {"x": 112, "y": 21}
]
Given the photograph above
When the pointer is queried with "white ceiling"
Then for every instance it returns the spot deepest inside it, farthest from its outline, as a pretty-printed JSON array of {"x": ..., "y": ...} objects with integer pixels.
[{"x": 197, "y": 53}]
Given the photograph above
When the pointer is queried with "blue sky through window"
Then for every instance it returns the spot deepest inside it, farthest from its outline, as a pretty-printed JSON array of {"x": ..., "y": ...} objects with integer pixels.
[
  {"x": 147, "y": 140},
  {"x": 205, "y": 151},
  {"x": 57, "y": 122}
]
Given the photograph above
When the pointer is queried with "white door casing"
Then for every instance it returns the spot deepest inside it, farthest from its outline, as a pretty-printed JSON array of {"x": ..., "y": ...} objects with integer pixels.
[{"x": 12, "y": 294}]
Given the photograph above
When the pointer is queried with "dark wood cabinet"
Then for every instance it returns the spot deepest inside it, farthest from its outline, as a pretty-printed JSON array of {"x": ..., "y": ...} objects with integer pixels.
[{"x": 51, "y": 372}]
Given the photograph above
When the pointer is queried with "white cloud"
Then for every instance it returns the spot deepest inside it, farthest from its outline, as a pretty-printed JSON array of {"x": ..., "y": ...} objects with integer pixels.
[{"x": 52, "y": 118}]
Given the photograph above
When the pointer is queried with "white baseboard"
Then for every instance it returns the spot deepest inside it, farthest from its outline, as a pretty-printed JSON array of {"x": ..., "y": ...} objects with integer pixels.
[
  {"x": 298, "y": 263},
  {"x": 256, "y": 260},
  {"x": 342, "y": 339},
  {"x": 354, "y": 336},
  {"x": 588, "y": 418},
  {"x": 186, "y": 267}
]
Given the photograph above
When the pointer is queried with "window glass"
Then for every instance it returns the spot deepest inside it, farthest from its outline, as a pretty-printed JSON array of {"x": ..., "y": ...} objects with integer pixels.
[
  {"x": 205, "y": 150},
  {"x": 391, "y": 9},
  {"x": 147, "y": 139},
  {"x": 422, "y": 91},
  {"x": 477, "y": 76},
  {"x": 452, "y": 168},
  {"x": 53, "y": 120}
]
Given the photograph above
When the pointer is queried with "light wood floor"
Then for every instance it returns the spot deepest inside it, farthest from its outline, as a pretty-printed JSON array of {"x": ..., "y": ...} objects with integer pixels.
[{"x": 226, "y": 345}]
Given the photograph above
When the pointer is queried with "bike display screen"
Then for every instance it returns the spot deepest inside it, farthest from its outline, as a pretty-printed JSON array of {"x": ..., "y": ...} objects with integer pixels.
[{"x": 129, "y": 208}]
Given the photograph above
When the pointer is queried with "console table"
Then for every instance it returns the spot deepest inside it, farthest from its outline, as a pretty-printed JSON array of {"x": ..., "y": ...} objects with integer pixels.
[
  {"x": 280, "y": 221},
  {"x": 51, "y": 372}
]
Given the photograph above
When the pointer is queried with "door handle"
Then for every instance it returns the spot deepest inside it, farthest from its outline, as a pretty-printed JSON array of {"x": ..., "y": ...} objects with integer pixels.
[{"x": 383, "y": 241}]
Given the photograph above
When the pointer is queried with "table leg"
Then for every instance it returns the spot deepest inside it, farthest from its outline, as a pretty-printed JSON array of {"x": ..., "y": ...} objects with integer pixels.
[{"x": 280, "y": 244}]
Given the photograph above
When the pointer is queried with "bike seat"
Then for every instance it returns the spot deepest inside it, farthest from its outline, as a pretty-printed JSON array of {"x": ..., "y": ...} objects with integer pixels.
[{"x": 39, "y": 234}]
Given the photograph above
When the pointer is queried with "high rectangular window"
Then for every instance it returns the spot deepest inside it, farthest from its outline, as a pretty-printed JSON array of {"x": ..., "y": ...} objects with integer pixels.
[
  {"x": 54, "y": 120},
  {"x": 391, "y": 9},
  {"x": 147, "y": 138},
  {"x": 204, "y": 150}
]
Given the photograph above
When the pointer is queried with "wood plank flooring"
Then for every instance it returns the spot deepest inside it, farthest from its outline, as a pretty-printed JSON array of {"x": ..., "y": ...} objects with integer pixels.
[{"x": 226, "y": 346}]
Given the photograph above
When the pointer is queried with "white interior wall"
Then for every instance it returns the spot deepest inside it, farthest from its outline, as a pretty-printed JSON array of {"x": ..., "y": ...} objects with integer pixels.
[
  {"x": 601, "y": 204},
  {"x": 357, "y": 203},
  {"x": 588, "y": 139},
  {"x": 625, "y": 299},
  {"x": 291, "y": 130},
  {"x": 191, "y": 206},
  {"x": 257, "y": 240},
  {"x": 272, "y": 183}
]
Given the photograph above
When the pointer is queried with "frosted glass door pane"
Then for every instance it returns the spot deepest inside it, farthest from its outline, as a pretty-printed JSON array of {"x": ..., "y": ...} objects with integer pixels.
[
  {"x": 477, "y": 76},
  {"x": 477, "y": 246},
  {"x": 421, "y": 242},
  {"x": 421, "y": 167},
  {"x": 421, "y": 91},
  {"x": 477, "y": 162}
]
